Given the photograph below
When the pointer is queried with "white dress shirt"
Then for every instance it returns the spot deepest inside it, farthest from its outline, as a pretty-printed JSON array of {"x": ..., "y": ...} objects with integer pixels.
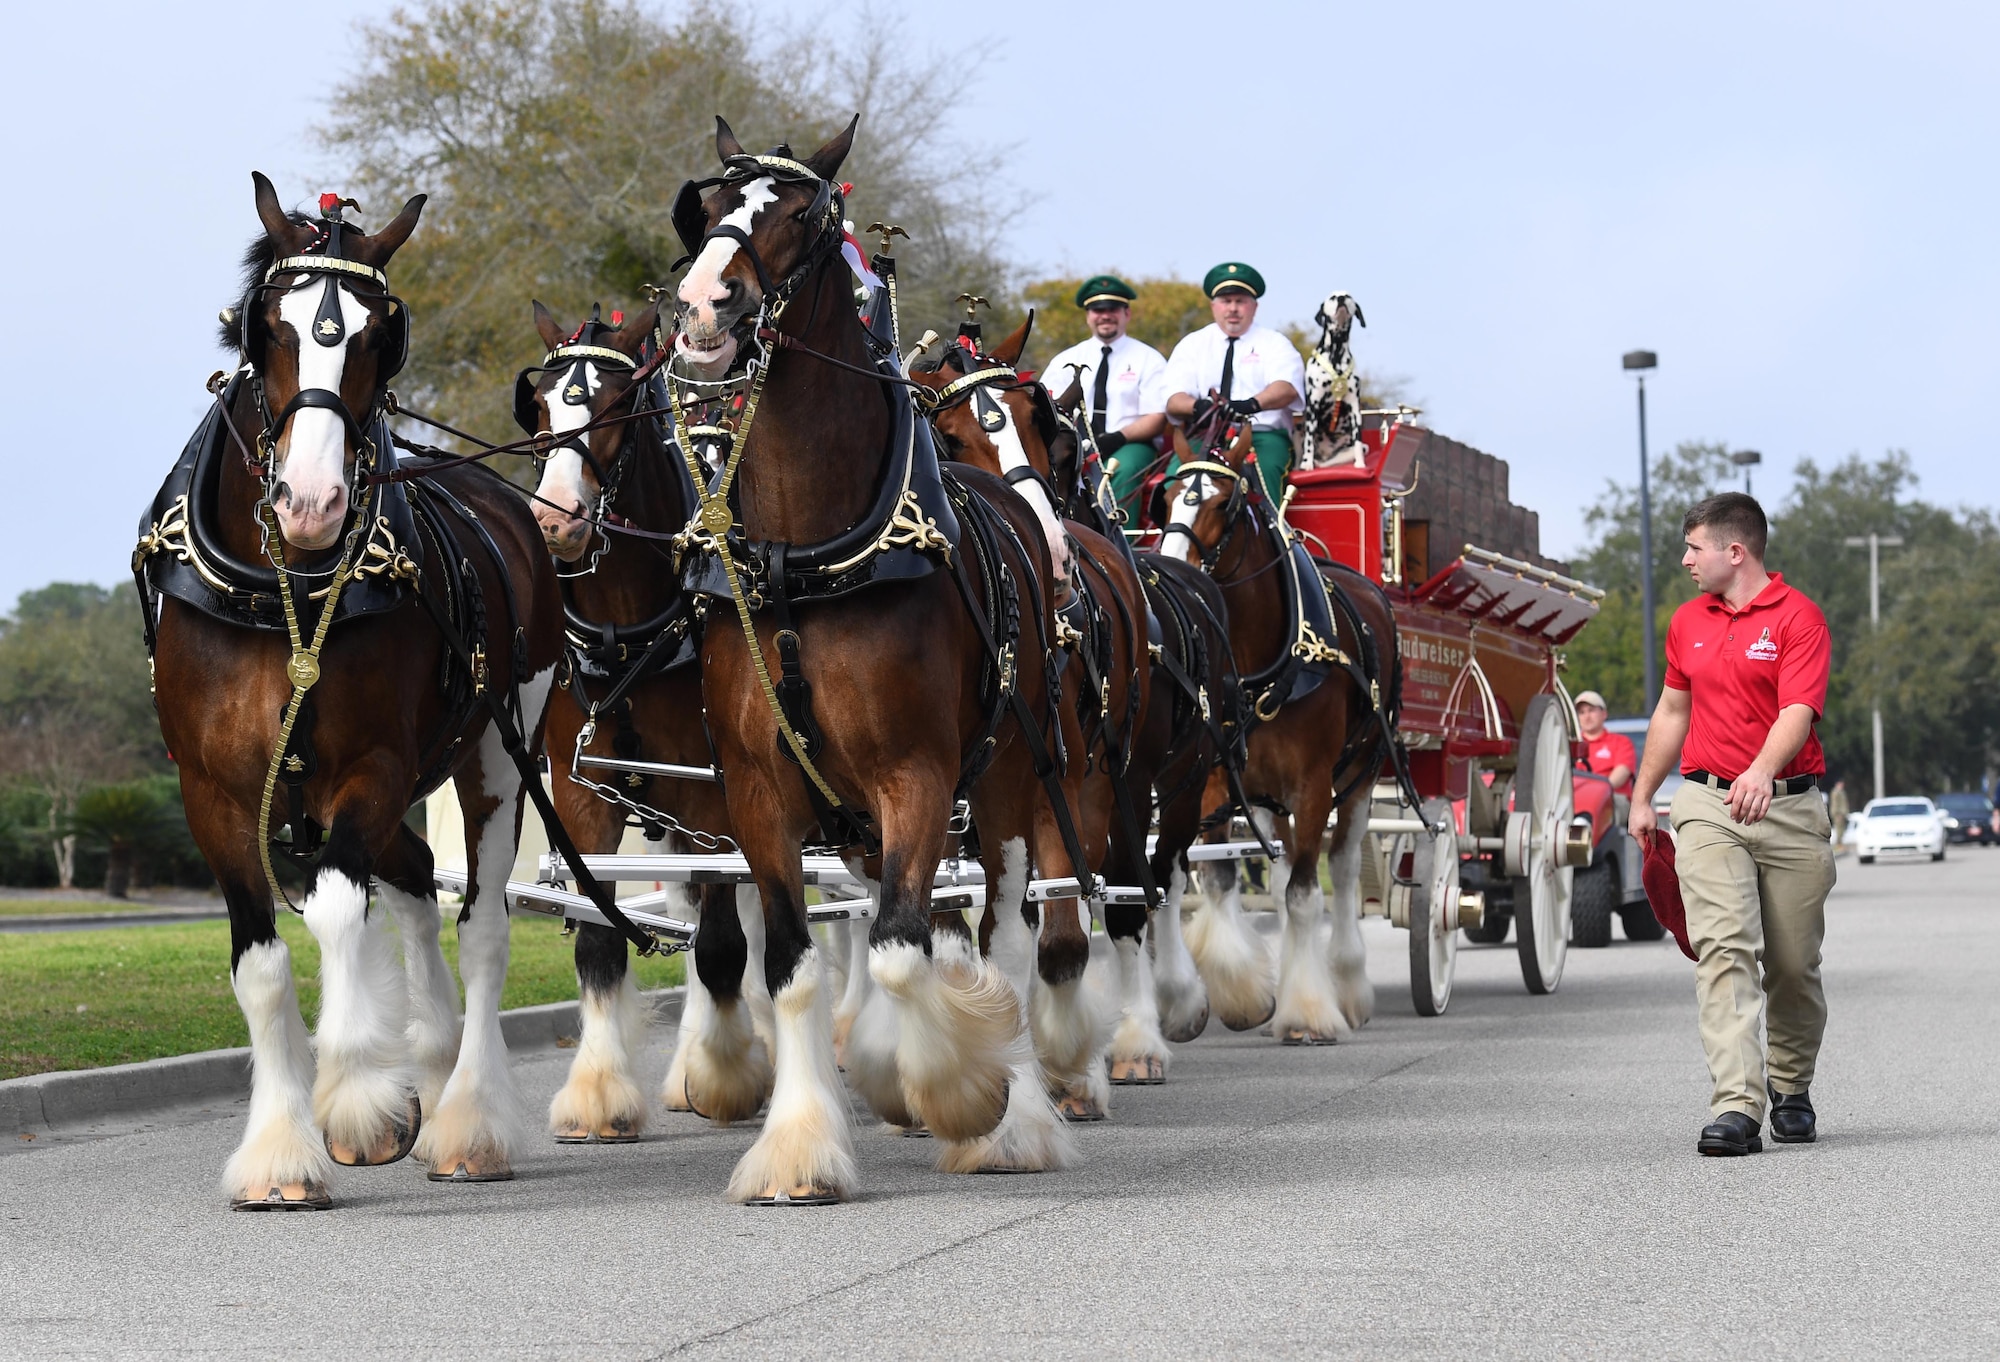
[
  {"x": 1136, "y": 388},
  {"x": 1263, "y": 357}
]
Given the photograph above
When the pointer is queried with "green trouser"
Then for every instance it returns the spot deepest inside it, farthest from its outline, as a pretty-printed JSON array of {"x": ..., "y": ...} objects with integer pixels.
[
  {"x": 1756, "y": 912},
  {"x": 1274, "y": 461},
  {"x": 1128, "y": 479}
]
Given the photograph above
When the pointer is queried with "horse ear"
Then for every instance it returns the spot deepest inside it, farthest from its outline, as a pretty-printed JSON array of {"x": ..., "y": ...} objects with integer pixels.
[
  {"x": 1009, "y": 351},
  {"x": 548, "y": 328},
  {"x": 290, "y": 238},
  {"x": 1071, "y": 398},
  {"x": 1239, "y": 449},
  {"x": 826, "y": 161},
  {"x": 632, "y": 336},
  {"x": 726, "y": 144},
  {"x": 376, "y": 249},
  {"x": 1181, "y": 449}
]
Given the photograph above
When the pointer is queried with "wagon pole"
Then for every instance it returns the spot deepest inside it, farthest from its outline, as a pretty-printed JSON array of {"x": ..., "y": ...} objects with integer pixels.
[{"x": 1875, "y": 543}]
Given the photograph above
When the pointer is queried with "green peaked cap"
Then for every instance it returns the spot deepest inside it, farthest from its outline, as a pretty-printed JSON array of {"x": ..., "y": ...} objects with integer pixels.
[
  {"x": 1104, "y": 288},
  {"x": 1233, "y": 274}
]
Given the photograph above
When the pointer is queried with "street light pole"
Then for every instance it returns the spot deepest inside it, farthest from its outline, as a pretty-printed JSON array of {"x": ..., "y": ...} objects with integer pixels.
[
  {"x": 1875, "y": 543},
  {"x": 1638, "y": 362},
  {"x": 1746, "y": 459}
]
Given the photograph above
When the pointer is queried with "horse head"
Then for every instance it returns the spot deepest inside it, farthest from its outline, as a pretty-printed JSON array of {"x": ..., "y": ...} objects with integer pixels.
[
  {"x": 985, "y": 416},
  {"x": 587, "y": 375},
  {"x": 1206, "y": 499},
  {"x": 752, "y": 233},
  {"x": 323, "y": 336}
]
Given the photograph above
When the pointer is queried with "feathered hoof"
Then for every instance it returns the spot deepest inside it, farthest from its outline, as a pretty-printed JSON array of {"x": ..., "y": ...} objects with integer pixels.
[
  {"x": 1080, "y": 1108},
  {"x": 391, "y": 1145},
  {"x": 488, "y": 1169},
  {"x": 804, "y": 1160},
  {"x": 1357, "y": 998},
  {"x": 727, "y": 1084},
  {"x": 1069, "y": 1031},
  {"x": 597, "y": 1106},
  {"x": 871, "y": 1062},
  {"x": 1031, "y": 1137},
  {"x": 1235, "y": 967},
  {"x": 1183, "y": 1011},
  {"x": 458, "y": 1146},
  {"x": 958, "y": 1020}
]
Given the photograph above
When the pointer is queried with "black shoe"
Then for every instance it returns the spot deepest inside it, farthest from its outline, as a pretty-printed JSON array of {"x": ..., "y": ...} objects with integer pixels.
[
  {"x": 1792, "y": 1118},
  {"x": 1729, "y": 1135}
]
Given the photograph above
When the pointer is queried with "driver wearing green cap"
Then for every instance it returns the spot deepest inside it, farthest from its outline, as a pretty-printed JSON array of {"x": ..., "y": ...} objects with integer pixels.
[
  {"x": 1124, "y": 385},
  {"x": 1252, "y": 370}
]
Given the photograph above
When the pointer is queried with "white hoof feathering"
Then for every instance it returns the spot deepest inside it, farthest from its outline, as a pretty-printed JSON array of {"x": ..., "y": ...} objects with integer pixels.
[
  {"x": 957, "y": 1018},
  {"x": 365, "y": 1078},
  {"x": 1070, "y": 1034},
  {"x": 1349, "y": 951},
  {"x": 806, "y": 1147},
  {"x": 728, "y": 1071},
  {"x": 1307, "y": 1009},
  {"x": 858, "y": 986},
  {"x": 1031, "y": 1138},
  {"x": 601, "y": 1098},
  {"x": 756, "y": 992},
  {"x": 871, "y": 1059},
  {"x": 281, "y": 1146},
  {"x": 1234, "y": 961},
  {"x": 434, "y": 1024},
  {"x": 697, "y": 1009},
  {"x": 1183, "y": 997},
  {"x": 1137, "y": 1039}
]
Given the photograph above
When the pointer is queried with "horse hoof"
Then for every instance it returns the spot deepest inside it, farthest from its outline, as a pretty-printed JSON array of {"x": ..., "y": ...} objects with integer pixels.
[
  {"x": 802, "y": 1195},
  {"x": 394, "y": 1146},
  {"x": 292, "y": 1196},
  {"x": 1079, "y": 1108},
  {"x": 916, "y": 1132},
  {"x": 470, "y": 1170},
  {"x": 617, "y": 1131},
  {"x": 1144, "y": 1072},
  {"x": 1249, "y": 1023},
  {"x": 1299, "y": 1035}
]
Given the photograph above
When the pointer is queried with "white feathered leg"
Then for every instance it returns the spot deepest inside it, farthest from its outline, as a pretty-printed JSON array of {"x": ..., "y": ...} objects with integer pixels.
[
  {"x": 806, "y": 1148},
  {"x": 1350, "y": 954},
  {"x": 1234, "y": 961},
  {"x": 433, "y": 992},
  {"x": 1308, "y": 1013},
  {"x": 365, "y": 1099},
  {"x": 1183, "y": 997},
  {"x": 1138, "y": 1051},
  {"x": 281, "y": 1155}
]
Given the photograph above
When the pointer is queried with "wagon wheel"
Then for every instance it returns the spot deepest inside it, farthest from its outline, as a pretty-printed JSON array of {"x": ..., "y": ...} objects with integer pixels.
[
  {"x": 1543, "y": 791},
  {"x": 1433, "y": 910}
]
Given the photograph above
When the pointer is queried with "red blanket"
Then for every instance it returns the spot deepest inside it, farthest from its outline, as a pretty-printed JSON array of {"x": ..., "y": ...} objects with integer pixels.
[{"x": 1663, "y": 890}]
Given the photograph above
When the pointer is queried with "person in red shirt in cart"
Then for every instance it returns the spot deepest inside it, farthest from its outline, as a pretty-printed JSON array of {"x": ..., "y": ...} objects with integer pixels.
[
  {"x": 1747, "y": 664},
  {"x": 1607, "y": 754}
]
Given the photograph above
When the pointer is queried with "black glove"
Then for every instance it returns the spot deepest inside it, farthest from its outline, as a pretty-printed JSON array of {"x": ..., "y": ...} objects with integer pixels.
[
  {"x": 1110, "y": 442},
  {"x": 1244, "y": 406},
  {"x": 1202, "y": 407}
]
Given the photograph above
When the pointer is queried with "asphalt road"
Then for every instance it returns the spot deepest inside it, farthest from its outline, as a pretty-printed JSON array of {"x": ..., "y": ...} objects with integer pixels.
[{"x": 1517, "y": 1178}]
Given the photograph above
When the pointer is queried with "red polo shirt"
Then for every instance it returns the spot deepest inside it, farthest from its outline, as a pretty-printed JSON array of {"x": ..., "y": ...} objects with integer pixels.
[
  {"x": 1607, "y": 752},
  {"x": 1741, "y": 667}
]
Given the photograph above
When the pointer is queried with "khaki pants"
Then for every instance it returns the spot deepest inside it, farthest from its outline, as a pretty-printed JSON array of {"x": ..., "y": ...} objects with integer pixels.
[{"x": 1755, "y": 895}]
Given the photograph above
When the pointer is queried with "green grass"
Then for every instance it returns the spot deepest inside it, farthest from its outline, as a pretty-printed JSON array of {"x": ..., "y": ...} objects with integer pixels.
[
  {"x": 55, "y": 907},
  {"x": 81, "y": 1000}
]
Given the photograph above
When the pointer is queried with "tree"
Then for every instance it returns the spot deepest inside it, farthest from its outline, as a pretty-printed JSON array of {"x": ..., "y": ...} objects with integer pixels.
[
  {"x": 552, "y": 138},
  {"x": 126, "y": 821},
  {"x": 75, "y": 706}
]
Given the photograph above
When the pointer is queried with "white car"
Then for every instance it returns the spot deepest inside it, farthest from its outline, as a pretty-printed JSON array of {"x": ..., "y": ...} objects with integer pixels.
[{"x": 1903, "y": 824}]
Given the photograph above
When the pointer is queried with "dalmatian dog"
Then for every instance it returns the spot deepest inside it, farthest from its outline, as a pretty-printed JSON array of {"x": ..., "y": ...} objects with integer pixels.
[{"x": 1333, "y": 398}]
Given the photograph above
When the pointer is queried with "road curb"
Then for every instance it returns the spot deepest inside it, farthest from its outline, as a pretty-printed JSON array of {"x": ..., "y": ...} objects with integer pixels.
[{"x": 74, "y": 1097}]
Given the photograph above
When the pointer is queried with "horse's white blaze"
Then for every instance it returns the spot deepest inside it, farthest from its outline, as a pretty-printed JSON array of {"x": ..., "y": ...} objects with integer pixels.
[
  {"x": 1014, "y": 455},
  {"x": 1182, "y": 508},
  {"x": 562, "y": 475},
  {"x": 364, "y": 1075},
  {"x": 281, "y": 1145},
  {"x": 312, "y": 456},
  {"x": 704, "y": 286},
  {"x": 806, "y": 1143},
  {"x": 433, "y": 1031}
]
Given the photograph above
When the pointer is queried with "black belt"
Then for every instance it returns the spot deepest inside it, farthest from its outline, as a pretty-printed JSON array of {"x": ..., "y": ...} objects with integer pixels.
[{"x": 1796, "y": 785}]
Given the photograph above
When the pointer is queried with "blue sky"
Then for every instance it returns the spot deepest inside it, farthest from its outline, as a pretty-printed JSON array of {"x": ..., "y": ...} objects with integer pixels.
[{"x": 1792, "y": 204}]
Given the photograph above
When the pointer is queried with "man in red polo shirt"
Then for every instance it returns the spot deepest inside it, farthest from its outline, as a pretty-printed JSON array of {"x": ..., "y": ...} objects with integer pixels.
[
  {"x": 1747, "y": 664},
  {"x": 1605, "y": 753}
]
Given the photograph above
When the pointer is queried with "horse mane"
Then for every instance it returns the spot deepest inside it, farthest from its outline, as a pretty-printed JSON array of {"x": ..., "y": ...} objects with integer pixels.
[{"x": 257, "y": 257}]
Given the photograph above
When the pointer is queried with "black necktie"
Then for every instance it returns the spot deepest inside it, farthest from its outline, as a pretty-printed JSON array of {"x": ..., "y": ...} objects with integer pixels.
[
  {"x": 1101, "y": 393},
  {"x": 1228, "y": 370}
]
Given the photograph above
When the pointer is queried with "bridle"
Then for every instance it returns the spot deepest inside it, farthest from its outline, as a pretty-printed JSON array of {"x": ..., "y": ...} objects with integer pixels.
[
  {"x": 323, "y": 263},
  {"x": 981, "y": 377},
  {"x": 572, "y": 360},
  {"x": 1234, "y": 512}
]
